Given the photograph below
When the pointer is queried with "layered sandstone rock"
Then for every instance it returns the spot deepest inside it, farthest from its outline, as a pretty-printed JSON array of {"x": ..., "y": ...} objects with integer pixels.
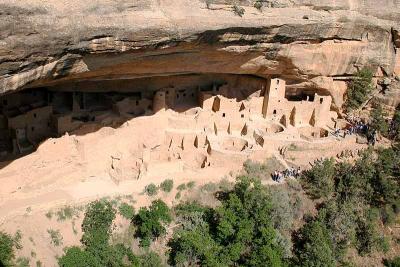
[{"x": 309, "y": 42}]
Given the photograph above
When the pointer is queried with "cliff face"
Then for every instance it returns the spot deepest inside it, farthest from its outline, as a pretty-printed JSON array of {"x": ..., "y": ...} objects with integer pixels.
[{"x": 312, "y": 43}]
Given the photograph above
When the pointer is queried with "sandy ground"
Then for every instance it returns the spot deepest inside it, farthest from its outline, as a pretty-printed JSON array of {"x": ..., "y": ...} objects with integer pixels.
[{"x": 75, "y": 169}]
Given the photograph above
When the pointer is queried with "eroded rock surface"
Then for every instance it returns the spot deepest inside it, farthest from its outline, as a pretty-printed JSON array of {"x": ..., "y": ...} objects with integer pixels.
[{"x": 43, "y": 42}]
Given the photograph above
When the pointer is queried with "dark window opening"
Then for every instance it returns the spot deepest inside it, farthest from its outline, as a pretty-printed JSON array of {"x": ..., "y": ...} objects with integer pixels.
[
  {"x": 223, "y": 115},
  {"x": 184, "y": 95},
  {"x": 177, "y": 96},
  {"x": 274, "y": 112},
  {"x": 277, "y": 81},
  {"x": 167, "y": 92},
  {"x": 48, "y": 124},
  {"x": 33, "y": 129},
  {"x": 321, "y": 100},
  {"x": 192, "y": 94},
  {"x": 34, "y": 115},
  {"x": 242, "y": 115},
  {"x": 137, "y": 103}
]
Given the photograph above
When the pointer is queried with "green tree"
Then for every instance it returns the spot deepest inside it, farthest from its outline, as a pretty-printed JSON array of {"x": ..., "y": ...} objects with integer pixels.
[
  {"x": 6, "y": 250},
  {"x": 395, "y": 134},
  {"x": 76, "y": 257},
  {"x": 96, "y": 249},
  {"x": 314, "y": 247},
  {"x": 320, "y": 179},
  {"x": 340, "y": 220},
  {"x": 96, "y": 226},
  {"x": 359, "y": 89},
  {"x": 378, "y": 121},
  {"x": 151, "y": 222}
]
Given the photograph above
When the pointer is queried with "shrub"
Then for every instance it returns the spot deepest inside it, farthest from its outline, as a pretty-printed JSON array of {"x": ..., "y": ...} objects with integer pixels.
[
  {"x": 49, "y": 215},
  {"x": 238, "y": 10},
  {"x": 258, "y": 4},
  {"x": 17, "y": 239},
  {"x": 190, "y": 185},
  {"x": 367, "y": 238},
  {"x": 64, "y": 213},
  {"x": 208, "y": 4},
  {"x": 282, "y": 212},
  {"x": 359, "y": 89},
  {"x": 6, "y": 249},
  {"x": 56, "y": 238},
  {"x": 22, "y": 262},
  {"x": 395, "y": 129},
  {"x": 392, "y": 263},
  {"x": 150, "y": 259},
  {"x": 209, "y": 187},
  {"x": 126, "y": 210},
  {"x": 151, "y": 190},
  {"x": 167, "y": 185},
  {"x": 181, "y": 187}
]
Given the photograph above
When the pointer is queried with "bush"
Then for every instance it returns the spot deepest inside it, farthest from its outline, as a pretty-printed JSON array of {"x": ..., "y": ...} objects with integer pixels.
[
  {"x": 150, "y": 259},
  {"x": 395, "y": 126},
  {"x": 392, "y": 263},
  {"x": 167, "y": 185},
  {"x": 64, "y": 213},
  {"x": 150, "y": 222},
  {"x": 282, "y": 212},
  {"x": 258, "y": 4},
  {"x": 151, "y": 190},
  {"x": 190, "y": 185},
  {"x": 56, "y": 238},
  {"x": 209, "y": 187},
  {"x": 208, "y": 4},
  {"x": 238, "y": 10},
  {"x": 22, "y": 262},
  {"x": 127, "y": 211},
  {"x": 6, "y": 249},
  {"x": 181, "y": 187},
  {"x": 359, "y": 89},
  {"x": 367, "y": 237}
]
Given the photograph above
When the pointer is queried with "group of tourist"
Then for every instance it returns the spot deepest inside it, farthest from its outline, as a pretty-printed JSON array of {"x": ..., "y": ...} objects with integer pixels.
[
  {"x": 279, "y": 176},
  {"x": 358, "y": 127}
]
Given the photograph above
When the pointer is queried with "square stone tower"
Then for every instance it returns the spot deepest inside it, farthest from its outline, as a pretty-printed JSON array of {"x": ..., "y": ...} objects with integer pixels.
[{"x": 274, "y": 98}]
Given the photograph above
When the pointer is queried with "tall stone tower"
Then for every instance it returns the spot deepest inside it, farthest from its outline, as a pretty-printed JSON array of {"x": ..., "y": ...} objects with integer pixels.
[{"x": 273, "y": 98}]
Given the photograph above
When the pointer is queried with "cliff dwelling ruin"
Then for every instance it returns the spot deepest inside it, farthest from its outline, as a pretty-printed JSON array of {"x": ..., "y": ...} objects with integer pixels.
[{"x": 205, "y": 118}]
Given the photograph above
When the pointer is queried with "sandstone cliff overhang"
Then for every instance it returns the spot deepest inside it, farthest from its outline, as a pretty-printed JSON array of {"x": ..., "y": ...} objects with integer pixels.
[{"x": 46, "y": 42}]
